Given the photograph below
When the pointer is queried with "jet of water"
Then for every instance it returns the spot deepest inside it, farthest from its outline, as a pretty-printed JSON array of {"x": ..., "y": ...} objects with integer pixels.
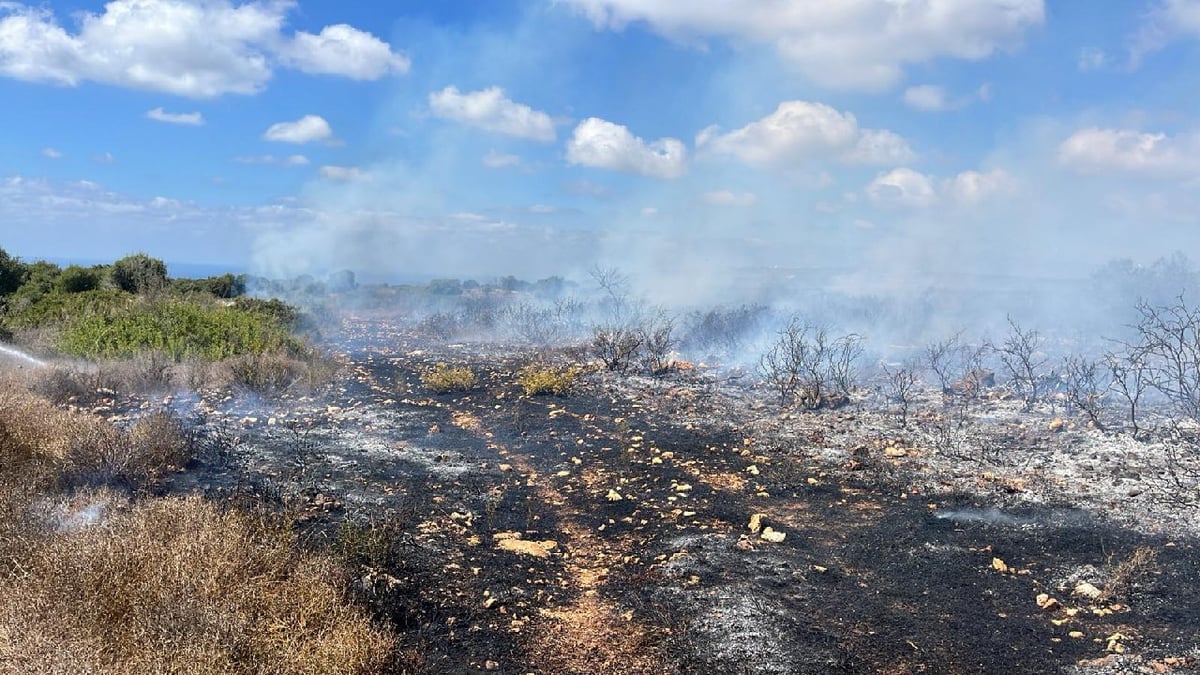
[{"x": 21, "y": 356}]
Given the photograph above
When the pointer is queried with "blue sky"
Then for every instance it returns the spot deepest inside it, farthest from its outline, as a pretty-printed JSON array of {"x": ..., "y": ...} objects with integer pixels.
[{"x": 888, "y": 142}]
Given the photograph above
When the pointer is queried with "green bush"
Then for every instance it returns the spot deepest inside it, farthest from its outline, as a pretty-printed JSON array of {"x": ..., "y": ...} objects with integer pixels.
[
  {"x": 444, "y": 378},
  {"x": 76, "y": 279},
  {"x": 536, "y": 380},
  {"x": 226, "y": 286},
  {"x": 180, "y": 329},
  {"x": 25, "y": 311},
  {"x": 139, "y": 273},
  {"x": 12, "y": 273}
]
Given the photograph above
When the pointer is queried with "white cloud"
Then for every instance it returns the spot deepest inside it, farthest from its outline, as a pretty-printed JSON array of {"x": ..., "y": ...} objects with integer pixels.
[
  {"x": 344, "y": 173},
  {"x": 864, "y": 44},
  {"x": 489, "y": 109},
  {"x": 909, "y": 188},
  {"x": 1096, "y": 150},
  {"x": 51, "y": 153},
  {"x": 1165, "y": 22},
  {"x": 499, "y": 160},
  {"x": 603, "y": 144},
  {"x": 290, "y": 160},
  {"x": 190, "y": 119},
  {"x": 729, "y": 198},
  {"x": 802, "y": 131},
  {"x": 903, "y": 187},
  {"x": 972, "y": 187},
  {"x": 103, "y": 158},
  {"x": 193, "y": 48},
  {"x": 304, "y": 130},
  {"x": 344, "y": 50},
  {"x": 928, "y": 97}
]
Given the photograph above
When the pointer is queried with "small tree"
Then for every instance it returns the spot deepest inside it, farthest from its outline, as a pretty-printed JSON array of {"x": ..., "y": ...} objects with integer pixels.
[
  {"x": 1129, "y": 377},
  {"x": 139, "y": 273},
  {"x": 1023, "y": 359},
  {"x": 900, "y": 384},
  {"x": 12, "y": 273},
  {"x": 1083, "y": 379}
]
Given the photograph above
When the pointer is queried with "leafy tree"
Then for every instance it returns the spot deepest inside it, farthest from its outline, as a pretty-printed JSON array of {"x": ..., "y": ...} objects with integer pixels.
[
  {"x": 139, "y": 273},
  {"x": 12, "y": 273},
  {"x": 76, "y": 279}
]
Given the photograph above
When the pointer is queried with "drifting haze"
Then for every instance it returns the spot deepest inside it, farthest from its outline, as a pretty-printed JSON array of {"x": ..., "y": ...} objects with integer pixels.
[{"x": 708, "y": 149}]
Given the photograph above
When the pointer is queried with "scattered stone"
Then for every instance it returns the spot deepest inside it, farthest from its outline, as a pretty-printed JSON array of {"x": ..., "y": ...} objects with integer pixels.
[
  {"x": 895, "y": 452},
  {"x": 1086, "y": 590},
  {"x": 999, "y": 565},
  {"x": 1057, "y": 425},
  {"x": 772, "y": 536},
  {"x": 1046, "y": 602},
  {"x": 614, "y": 496},
  {"x": 756, "y": 522},
  {"x": 1076, "y": 634}
]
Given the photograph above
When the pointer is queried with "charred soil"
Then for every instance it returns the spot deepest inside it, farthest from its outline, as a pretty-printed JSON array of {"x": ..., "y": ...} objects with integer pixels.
[{"x": 686, "y": 524}]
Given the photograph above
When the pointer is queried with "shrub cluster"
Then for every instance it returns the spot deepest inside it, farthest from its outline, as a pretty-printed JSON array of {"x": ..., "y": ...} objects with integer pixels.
[
  {"x": 444, "y": 378},
  {"x": 538, "y": 380}
]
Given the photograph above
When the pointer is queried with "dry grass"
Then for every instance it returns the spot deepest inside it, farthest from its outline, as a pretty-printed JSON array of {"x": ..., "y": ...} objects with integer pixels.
[
  {"x": 1129, "y": 572},
  {"x": 536, "y": 380},
  {"x": 177, "y": 585},
  {"x": 52, "y": 447},
  {"x": 93, "y": 581},
  {"x": 444, "y": 378}
]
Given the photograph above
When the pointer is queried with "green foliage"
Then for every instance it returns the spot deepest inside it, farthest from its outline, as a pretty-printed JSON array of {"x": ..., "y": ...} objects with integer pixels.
[
  {"x": 76, "y": 279},
  {"x": 12, "y": 273},
  {"x": 26, "y": 311},
  {"x": 445, "y": 287},
  {"x": 274, "y": 309},
  {"x": 536, "y": 380},
  {"x": 139, "y": 273},
  {"x": 180, "y": 329},
  {"x": 444, "y": 378},
  {"x": 225, "y": 286}
]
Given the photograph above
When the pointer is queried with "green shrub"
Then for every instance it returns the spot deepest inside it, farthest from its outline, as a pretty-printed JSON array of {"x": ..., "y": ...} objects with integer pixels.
[
  {"x": 535, "y": 380},
  {"x": 180, "y": 329},
  {"x": 12, "y": 273},
  {"x": 58, "y": 307},
  {"x": 76, "y": 279},
  {"x": 225, "y": 286},
  {"x": 139, "y": 273},
  {"x": 444, "y": 378},
  {"x": 277, "y": 310}
]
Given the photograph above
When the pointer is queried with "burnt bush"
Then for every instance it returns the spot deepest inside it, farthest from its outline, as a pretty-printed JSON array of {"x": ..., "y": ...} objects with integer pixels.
[
  {"x": 616, "y": 346},
  {"x": 808, "y": 366},
  {"x": 1023, "y": 359},
  {"x": 721, "y": 330}
]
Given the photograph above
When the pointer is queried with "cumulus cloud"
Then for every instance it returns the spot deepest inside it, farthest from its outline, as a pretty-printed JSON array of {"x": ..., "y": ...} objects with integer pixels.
[
  {"x": 192, "y": 48},
  {"x": 902, "y": 187},
  {"x": 803, "y": 131},
  {"x": 51, "y": 153},
  {"x": 489, "y": 109},
  {"x": 1097, "y": 150},
  {"x": 605, "y": 145},
  {"x": 194, "y": 119},
  {"x": 909, "y": 188},
  {"x": 304, "y": 130},
  {"x": 344, "y": 50},
  {"x": 972, "y": 187},
  {"x": 848, "y": 45},
  {"x": 729, "y": 198}
]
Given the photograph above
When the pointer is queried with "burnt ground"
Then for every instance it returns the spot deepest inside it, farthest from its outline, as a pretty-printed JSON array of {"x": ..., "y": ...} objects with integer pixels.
[{"x": 609, "y": 530}]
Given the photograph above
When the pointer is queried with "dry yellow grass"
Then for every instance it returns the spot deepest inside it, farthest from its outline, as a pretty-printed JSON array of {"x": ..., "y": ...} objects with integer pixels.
[
  {"x": 92, "y": 581},
  {"x": 444, "y": 378},
  {"x": 535, "y": 380},
  {"x": 177, "y": 585}
]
